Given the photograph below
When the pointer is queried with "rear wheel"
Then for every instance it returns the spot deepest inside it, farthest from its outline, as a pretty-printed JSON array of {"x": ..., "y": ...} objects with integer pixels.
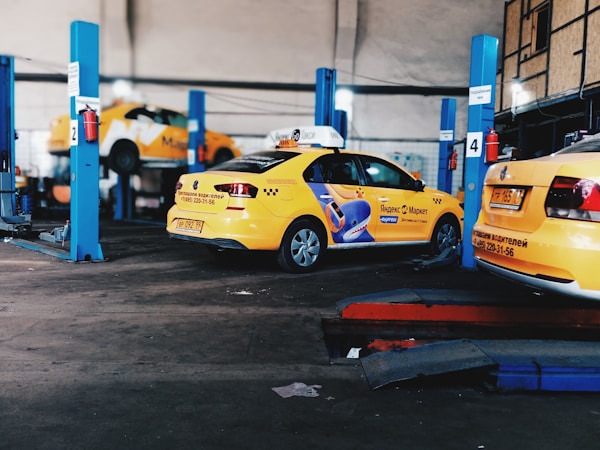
[
  {"x": 445, "y": 234},
  {"x": 302, "y": 247},
  {"x": 124, "y": 158}
]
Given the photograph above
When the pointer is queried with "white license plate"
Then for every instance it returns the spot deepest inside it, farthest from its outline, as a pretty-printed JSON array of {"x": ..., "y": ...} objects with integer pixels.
[
  {"x": 507, "y": 198},
  {"x": 194, "y": 226}
]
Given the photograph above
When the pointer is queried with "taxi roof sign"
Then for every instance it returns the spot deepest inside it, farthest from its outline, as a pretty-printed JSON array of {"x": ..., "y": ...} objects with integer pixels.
[{"x": 323, "y": 136}]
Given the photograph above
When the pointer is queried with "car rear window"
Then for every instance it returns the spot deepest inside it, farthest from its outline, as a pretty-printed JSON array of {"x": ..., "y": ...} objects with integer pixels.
[
  {"x": 258, "y": 162},
  {"x": 590, "y": 145}
]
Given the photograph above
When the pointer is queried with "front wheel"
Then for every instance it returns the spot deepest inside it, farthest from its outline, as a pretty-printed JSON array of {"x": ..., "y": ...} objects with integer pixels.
[
  {"x": 302, "y": 247},
  {"x": 445, "y": 234}
]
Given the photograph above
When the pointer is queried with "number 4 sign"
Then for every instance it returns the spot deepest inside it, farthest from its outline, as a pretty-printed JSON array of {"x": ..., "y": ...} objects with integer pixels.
[{"x": 474, "y": 144}]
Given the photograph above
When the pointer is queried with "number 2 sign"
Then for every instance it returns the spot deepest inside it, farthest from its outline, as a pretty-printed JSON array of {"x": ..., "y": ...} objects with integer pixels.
[
  {"x": 474, "y": 144},
  {"x": 74, "y": 132}
]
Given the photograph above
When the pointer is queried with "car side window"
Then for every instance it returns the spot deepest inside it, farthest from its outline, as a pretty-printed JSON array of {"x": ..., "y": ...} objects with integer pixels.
[
  {"x": 381, "y": 173},
  {"x": 334, "y": 169},
  {"x": 141, "y": 114}
]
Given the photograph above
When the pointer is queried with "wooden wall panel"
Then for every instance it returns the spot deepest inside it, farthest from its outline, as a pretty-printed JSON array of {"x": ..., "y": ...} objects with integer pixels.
[
  {"x": 565, "y": 61},
  {"x": 510, "y": 71},
  {"x": 592, "y": 73},
  {"x": 563, "y": 11},
  {"x": 511, "y": 33}
]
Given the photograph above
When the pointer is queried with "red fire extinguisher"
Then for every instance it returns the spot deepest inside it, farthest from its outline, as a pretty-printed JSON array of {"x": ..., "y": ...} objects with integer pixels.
[
  {"x": 491, "y": 146},
  {"x": 453, "y": 160},
  {"x": 90, "y": 124},
  {"x": 201, "y": 153}
]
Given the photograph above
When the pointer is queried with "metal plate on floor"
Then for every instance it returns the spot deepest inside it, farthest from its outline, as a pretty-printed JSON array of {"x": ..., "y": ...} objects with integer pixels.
[{"x": 432, "y": 359}]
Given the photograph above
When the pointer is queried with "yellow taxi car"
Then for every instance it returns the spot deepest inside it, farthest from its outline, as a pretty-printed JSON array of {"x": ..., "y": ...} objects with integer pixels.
[
  {"x": 306, "y": 196},
  {"x": 131, "y": 134},
  {"x": 539, "y": 223}
]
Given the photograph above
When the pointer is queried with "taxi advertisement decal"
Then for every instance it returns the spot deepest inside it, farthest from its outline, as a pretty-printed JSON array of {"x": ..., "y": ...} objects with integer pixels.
[
  {"x": 409, "y": 214},
  {"x": 348, "y": 219}
]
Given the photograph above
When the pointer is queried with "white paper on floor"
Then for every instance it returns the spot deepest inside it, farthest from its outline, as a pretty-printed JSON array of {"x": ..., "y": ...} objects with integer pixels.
[{"x": 297, "y": 390}]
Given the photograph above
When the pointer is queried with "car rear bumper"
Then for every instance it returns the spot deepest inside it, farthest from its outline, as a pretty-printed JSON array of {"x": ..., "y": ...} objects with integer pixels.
[
  {"x": 232, "y": 229},
  {"x": 222, "y": 243},
  {"x": 569, "y": 288}
]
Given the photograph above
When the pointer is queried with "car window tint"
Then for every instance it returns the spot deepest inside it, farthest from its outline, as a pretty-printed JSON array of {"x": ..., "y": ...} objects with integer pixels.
[
  {"x": 141, "y": 114},
  {"x": 334, "y": 169},
  {"x": 173, "y": 118},
  {"x": 314, "y": 173},
  {"x": 591, "y": 145},
  {"x": 381, "y": 173},
  {"x": 258, "y": 162}
]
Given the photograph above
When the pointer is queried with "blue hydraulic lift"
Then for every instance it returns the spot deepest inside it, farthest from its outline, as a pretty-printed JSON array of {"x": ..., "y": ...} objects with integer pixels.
[
  {"x": 83, "y": 229},
  {"x": 11, "y": 219},
  {"x": 325, "y": 112},
  {"x": 446, "y": 149},
  {"x": 84, "y": 77},
  {"x": 482, "y": 94}
]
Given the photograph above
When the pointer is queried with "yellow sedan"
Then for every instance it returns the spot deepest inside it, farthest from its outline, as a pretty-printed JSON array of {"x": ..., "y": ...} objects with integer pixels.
[
  {"x": 306, "y": 196},
  {"x": 539, "y": 223},
  {"x": 132, "y": 134}
]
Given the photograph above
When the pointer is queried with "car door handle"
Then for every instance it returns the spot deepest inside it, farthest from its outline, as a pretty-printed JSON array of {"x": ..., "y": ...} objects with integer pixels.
[
  {"x": 326, "y": 197},
  {"x": 383, "y": 199}
]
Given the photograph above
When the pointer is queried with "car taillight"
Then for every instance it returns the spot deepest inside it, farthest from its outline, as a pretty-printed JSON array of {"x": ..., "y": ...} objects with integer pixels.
[
  {"x": 574, "y": 198},
  {"x": 238, "y": 189},
  {"x": 178, "y": 186}
]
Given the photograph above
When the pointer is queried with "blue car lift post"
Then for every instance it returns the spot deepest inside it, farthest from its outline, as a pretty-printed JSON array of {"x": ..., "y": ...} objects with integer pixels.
[
  {"x": 83, "y": 88},
  {"x": 11, "y": 220},
  {"x": 521, "y": 345},
  {"x": 325, "y": 112},
  {"x": 446, "y": 148}
]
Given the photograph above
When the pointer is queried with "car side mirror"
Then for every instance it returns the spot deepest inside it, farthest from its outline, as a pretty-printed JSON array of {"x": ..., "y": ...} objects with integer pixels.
[{"x": 419, "y": 185}]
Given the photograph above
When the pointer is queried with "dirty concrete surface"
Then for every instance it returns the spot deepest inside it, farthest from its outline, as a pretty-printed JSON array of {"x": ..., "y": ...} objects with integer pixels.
[{"x": 164, "y": 347}]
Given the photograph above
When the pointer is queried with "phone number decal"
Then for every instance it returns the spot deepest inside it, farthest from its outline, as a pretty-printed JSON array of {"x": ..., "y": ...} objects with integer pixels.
[{"x": 496, "y": 243}]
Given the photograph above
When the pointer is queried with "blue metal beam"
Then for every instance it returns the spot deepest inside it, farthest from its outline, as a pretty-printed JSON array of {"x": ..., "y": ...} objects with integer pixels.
[
  {"x": 85, "y": 177},
  {"x": 484, "y": 55},
  {"x": 197, "y": 131},
  {"x": 325, "y": 97},
  {"x": 7, "y": 136},
  {"x": 447, "y": 130}
]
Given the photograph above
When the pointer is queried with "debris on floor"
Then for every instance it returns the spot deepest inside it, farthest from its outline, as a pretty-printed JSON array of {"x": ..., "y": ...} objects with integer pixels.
[{"x": 297, "y": 389}]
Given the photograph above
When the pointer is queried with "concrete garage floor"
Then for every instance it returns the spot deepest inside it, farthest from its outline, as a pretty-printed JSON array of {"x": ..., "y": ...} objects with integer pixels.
[{"x": 162, "y": 347}]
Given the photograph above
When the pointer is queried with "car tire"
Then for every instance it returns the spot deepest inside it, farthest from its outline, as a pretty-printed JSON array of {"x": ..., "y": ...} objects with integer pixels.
[
  {"x": 124, "y": 158},
  {"x": 302, "y": 247},
  {"x": 221, "y": 155},
  {"x": 446, "y": 233}
]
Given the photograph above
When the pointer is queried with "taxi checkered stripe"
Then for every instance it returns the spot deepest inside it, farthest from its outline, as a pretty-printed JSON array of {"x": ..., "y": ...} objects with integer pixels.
[{"x": 271, "y": 191}]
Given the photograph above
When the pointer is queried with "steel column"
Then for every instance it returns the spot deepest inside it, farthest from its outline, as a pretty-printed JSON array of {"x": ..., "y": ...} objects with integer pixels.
[
  {"x": 325, "y": 96},
  {"x": 447, "y": 130},
  {"x": 85, "y": 192},
  {"x": 484, "y": 54},
  {"x": 197, "y": 131}
]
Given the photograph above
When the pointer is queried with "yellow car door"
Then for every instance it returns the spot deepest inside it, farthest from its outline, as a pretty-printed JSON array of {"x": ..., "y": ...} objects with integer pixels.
[{"x": 402, "y": 210}]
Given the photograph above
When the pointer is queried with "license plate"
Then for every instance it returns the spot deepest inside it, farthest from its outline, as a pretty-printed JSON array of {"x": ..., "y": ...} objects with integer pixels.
[
  {"x": 507, "y": 198},
  {"x": 195, "y": 226}
]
